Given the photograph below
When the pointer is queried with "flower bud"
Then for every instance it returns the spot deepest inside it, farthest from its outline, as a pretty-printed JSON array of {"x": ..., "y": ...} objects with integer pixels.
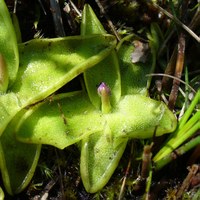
[{"x": 104, "y": 92}]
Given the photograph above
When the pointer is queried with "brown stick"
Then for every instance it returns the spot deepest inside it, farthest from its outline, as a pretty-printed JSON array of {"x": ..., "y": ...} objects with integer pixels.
[
  {"x": 108, "y": 20},
  {"x": 186, "y": 183},
  {"x": 178, "y": 71},
  {"x": 169, "y": 70}
]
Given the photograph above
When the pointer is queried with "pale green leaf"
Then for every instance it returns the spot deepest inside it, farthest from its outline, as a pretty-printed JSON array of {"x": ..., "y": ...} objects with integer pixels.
[
  {"x": 9, "y": 106},
  {"x": 133, "y": 75},
  {"x": 48, "y": 64},
  {"x": 99, "y": 159},
  {"x": 107, "y": 70},
  {"x": 67, "y": 119},
  {"x": 90, "y": 24},
  {"x": 137, "y": 116},
  {"x": 1, "y": 194},
  {"x": 17, "y": 160}
]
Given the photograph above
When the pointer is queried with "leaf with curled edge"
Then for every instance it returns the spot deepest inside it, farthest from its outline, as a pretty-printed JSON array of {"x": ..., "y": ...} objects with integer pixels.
[
  {"x": 101, "y": 152},
  {"x": 18, "y": 161},
  {"x": 99, "y": 159},
  {"x": 71, "y": 117},
  {"x": 48, "y": 64},
  {"x": 95, "y": 175},
  {"x": 45, "y": 66},
  {"x": 68, "y": 118}
]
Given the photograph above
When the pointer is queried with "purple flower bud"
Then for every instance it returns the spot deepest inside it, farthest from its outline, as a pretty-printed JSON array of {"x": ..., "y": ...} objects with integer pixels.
[
  {"x": 104, "y": 92},
  {"x": 103, "y": 89}
]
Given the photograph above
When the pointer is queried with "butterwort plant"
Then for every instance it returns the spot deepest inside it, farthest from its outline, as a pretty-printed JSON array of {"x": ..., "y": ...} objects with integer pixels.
[
  {"x": 41, "y": 67},
  {"x": 112, "y": 108}
]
